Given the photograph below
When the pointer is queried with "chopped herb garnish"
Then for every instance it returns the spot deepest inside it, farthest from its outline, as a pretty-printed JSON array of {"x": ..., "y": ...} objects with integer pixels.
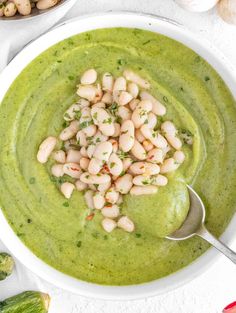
[
  {"x": 95, "y": 115},
  {"x": 121, "y": 61},
  {"x": 32, "y": 180},
  {"x": 71, "y": 77},
  {"x": 146, "y": 42},
  {"x": 138, "y": 235},
  {"x": 165, "y": 99},
  {"x": 85, "y": 124},
  {"x": 66, "y": 204},
  {"x": 66, "y": 115},
  {"x": 78, "y": 115},
  {"x": 207, "y": 78},
  {"x": 112, "y": 164},
  {"x": 29, "y": 220},
  {"x": 107, "y": 121},
  {"x": 79, "y": 243}
]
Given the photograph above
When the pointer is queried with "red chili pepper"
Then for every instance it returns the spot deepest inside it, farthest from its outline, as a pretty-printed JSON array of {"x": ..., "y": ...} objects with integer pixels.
[
  {"x": 231, "y": 308},
  {"x": 75, "y": 169},
  {"x": 90, "y": 217}
]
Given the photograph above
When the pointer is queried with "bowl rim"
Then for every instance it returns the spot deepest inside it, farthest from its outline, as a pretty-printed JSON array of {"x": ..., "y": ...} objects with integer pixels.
[
  {"x": 35, "y": 14},
  {"x": 67, "y": 29}
]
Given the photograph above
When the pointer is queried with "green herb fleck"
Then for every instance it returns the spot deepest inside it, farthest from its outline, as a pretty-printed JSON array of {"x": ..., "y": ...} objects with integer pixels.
[
  {"x": 165, "y": 99},
  {"x": 138, "y": 235},
  {"x": 112, "y": 164},
  {"x": 70, "y": 77},
  {"x": 207, "y": 78},
  {"x": 146, "y": 42},
  {"x": 32, "y": 180},
  {"x": 66, "y": 204},
  {"x": 79, "y": 243}
]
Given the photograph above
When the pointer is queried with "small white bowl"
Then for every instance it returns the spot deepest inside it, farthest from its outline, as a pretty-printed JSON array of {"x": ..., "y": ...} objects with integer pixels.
[{"x": 73, "y": 27}]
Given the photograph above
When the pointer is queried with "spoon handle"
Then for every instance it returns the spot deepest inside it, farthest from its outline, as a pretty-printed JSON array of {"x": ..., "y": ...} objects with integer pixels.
[{"x": 205, "y": 234}]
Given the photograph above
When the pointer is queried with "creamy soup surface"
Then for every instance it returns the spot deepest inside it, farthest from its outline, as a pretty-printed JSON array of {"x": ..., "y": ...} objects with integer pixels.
[{"x": 56, "y": 229}]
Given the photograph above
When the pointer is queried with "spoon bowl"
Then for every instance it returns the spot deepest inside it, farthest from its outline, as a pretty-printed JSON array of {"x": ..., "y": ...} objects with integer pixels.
[{"x": 194, "y": 225}]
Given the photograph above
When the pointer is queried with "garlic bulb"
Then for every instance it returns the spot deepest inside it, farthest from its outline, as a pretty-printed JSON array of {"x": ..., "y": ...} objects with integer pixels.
[
  {"x": 227, "y": 10},
  {"x": 197, "y": 5}
]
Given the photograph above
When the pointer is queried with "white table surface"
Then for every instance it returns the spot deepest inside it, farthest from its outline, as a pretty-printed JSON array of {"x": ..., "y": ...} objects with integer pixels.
[{"x": 210, "y": 292}]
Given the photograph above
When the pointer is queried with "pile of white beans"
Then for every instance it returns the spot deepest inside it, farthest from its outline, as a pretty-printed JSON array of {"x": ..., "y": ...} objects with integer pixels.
[
  {"x": 119, "y": 151},
  {"x": 10, "y": 8}
]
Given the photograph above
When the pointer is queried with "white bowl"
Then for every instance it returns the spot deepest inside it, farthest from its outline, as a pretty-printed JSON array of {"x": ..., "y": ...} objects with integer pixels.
[{"x": 79, "y": 25}]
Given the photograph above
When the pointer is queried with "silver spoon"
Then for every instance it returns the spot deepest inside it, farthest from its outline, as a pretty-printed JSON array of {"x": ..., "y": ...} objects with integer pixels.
[{"x": 194, "y": 225}]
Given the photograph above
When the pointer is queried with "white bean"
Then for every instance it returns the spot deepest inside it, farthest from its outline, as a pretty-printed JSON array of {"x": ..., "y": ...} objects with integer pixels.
[
  {"x": 159, "y": 180},
  {"x": 46, "y": 4},
  {"x": 99, "y": 137},
  {"x": 126, "y": 140},
  {"x": 59, "y": 156},
  {"x": 95, "y": 166},
  {"x": 126, "y": 224},
  {"x": 139, "y": 136},
  {"x": 57, "y": 170},
  {"x": 46, "y": 148},
  {"x": 141, "y": 180},
  {"x": 71, "y": 112},
  {"x": 151, "y": 120},
  {"x": 138, "y": 151},
  {"x": 99, "y": 105},
  {"x": 157, "y": 107},
  {"x": 24, "y": 7},
  {"x": 72, "y": 169},
  {"x": 114, "y": 145},
  {"x": 135, "y": 78},
  {"x": 103, "y": 151},
  {"x": 120, "y": 199},
  {"x": 133, "y": 89},
  {"x": 124, "y": 183},
  {"x": 107, "y": 82},
  {"x": 155, "y": 137},
  {"x": 112, "y": 195},
  {"x": 140, "y": 114},
  {"x": 83, "y": 152},
  {"x": 69, "y": 131},
  {"x": 133, "y": 104},
  {"x": 90, "y": 150},
  {"x": 89, "y": 77},
  {"x": 80, "y": 186},
  {"x": 179, "y": 157},
  {"x": 104, "y": 187},
  {"x": 147, "y": 145},
  {"x": 98, "y": 201},
  {"x": 143, "y": 190},
  {"x": 67, "y": 189},
  {"x": 115, "y": 165},
  {"x": 73, "y": 156},
  {"x": 88, "y": 92},
  {"x": 170, "y": 133},
  {"x": 90, "y": 130},
  {"x": 84, "y": 163},
  {"x": 81, "y": 138},
  {"x": 104, "y": 121},
  {"x": 107, "y": 98},
  {"x": 124, "y": 113},
  {"x": 95, "y": 179},
  {"x": 120, "y": 84},
  {"x": 111, "y": 211},
  {"x": 169, "y": 165},
  {"x": 124, "y": 98},
  {"x": 127, "y": 163},
  {"x": 145, "y": 168},
  {"x": 9, "y": 10},
  {"x": 98, "y": 95},
  {"x": 108, "y": 225},
  {"x": 88, "y": 197},
  {"x": 155, "y": 155},
  {"x": 117, "y": 130}
]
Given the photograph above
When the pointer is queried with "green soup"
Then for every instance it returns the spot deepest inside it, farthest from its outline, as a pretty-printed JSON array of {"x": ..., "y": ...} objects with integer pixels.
[{"x": 55, "y": 229}]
